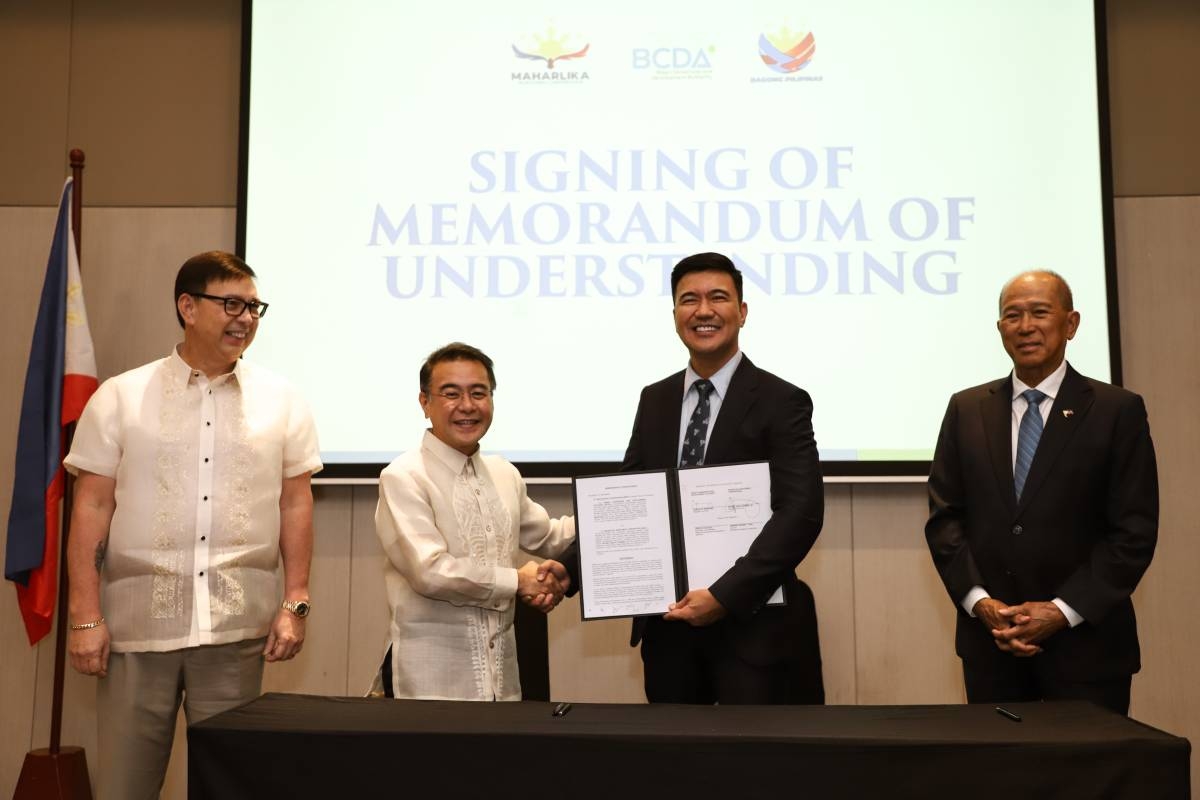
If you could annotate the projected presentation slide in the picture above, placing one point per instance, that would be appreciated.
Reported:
(523, 176)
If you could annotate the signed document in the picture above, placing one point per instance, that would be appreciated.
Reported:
(626, 556)
(647, 538)
(722, 509)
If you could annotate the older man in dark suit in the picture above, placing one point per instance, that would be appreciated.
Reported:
(723, 643)
(1043, 501)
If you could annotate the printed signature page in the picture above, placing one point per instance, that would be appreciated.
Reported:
(723, 508)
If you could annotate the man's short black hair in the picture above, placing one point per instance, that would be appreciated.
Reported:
(455, 351)
(199, 271)
(706, 262)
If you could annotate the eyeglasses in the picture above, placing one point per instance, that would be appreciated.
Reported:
(452, 394)
(234, 306)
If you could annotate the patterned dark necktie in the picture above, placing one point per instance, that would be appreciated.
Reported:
(697, 427)
(1028, 436)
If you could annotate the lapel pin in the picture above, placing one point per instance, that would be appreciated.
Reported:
(1068, 413)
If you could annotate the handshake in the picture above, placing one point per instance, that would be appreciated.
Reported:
(542, 586)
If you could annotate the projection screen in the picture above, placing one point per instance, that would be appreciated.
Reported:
(522, 177)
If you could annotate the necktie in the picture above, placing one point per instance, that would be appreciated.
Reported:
(1027, 437)
(697, 428)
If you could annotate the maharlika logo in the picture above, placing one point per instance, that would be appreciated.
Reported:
(787, 51)
(549, 49)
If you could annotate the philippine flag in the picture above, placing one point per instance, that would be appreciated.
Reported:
(58, 382)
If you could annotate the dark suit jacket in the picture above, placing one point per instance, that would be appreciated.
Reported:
(1084, 529)
(762, 418)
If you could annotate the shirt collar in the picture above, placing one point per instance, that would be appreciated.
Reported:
(446, 454)
(720, 379)
(184, 373)
(1048, 387)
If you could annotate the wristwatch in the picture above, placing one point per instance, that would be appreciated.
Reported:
(298, 607)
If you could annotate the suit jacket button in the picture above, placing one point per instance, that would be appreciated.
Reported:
(1018, 530)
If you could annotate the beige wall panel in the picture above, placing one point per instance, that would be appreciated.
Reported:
(25, 235)
(1153, 47)
(828, 569)
(904, 621)
(35, 55)
(1157, 243)
(321, 666)
(79, 705)
(556, 498)
(369, 611)
(130, 257)
(592, 662)
(18, 678)
(154, 100)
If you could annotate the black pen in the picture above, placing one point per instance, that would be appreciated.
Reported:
(561, 710)
(1004, 712)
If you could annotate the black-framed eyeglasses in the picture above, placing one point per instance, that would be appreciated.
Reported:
(234, 306)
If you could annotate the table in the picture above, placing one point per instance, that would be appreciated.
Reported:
(297, 746)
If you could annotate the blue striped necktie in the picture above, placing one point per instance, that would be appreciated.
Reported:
(1028, 436)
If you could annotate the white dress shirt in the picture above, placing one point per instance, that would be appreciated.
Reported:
(193, 547)
(451, 526)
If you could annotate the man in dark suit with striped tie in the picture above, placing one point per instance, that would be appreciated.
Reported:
(1043, 499)
(722, 643)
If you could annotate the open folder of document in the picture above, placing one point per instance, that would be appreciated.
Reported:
(647, 538)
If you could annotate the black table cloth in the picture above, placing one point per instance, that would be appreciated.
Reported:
(295, 746)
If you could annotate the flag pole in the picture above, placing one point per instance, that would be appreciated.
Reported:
(60, 637)
(56, 772)
(77, 158)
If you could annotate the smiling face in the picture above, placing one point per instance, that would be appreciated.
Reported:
(1035, 325)
(213, 341)
(708, 318)
(456, 417)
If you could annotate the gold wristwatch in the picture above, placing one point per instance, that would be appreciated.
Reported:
(298, 607)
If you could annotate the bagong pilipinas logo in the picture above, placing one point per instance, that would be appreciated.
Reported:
(787, 51)
(551, 47)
